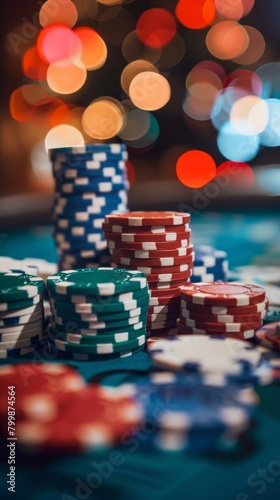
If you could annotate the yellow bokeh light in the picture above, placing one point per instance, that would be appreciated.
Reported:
(149, 91)
(103, 118)
(66, 77)
(63, 136)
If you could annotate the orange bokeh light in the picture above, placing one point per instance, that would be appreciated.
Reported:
(195, 168)
(94, 50)
(195, 14)
(33, 67)
(156, 27)
(54, 11)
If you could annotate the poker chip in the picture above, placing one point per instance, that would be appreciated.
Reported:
(269, 336)
(228, 294)
(224, 310)
(75, 327)
(168, 277)
(55, 353)
(16, 353)
(165, 300)
(160, 334)
(149, 219)
(169, 262)
(159, 270)
(157, 325)
(101, 308)
(99, 349)
(106, 306)
(22, 313)
(194, 412)
(152, 254)
(253, 318)
(147, 237)
(102, 281)
(161, 230)
(220, 327)
(149, 245)
(183, 329)
(34, 267)
(208, 355)
(21, 320)
(117, 300)
(15, 286)
(90, 182)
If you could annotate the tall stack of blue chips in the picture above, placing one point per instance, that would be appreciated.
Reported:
(90, 182)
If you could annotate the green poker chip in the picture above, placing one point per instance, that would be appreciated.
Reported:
(101, 325)
(125, 309)
(113, 338)
(104, 281)
(115, 318)
(16, 286)
(74, 327)
(100, 349)
(54, 353)
(20, 304)
(116, 302)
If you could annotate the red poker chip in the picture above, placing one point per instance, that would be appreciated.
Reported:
(37, 382)
(162, 334)
(165, 300)
(148, 219)
(239, 310)
(165, 292)
(149, 246)
(154, 317)
(169, 262)
(93, 417)
(183, 329)
(168, 277)
(159, 270)
(114, 228)
(223, 293)
(246, 318)
(269, 336)
(165, 309)
(221, 327)
(152, 254)
(147, 237)
(156, 325)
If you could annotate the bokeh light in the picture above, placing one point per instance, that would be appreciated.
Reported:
(134, 68)
(137, 125)
(148, 140)
(234, 9)
(94, 51)
(227, 39)
(235, 146)
(240, 174)
(23, 99)
(32, 66)
(54, 11)
(149, 91)
(255, 49)
(249, 115)
(271, 135)
(195, 168)
(63, 136)
(133, 48)
(57, 42)
(103, 119)
(196, 14)
(66, 77)
(156, 27)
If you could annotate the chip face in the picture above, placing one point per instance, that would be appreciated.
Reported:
(18, 285)
(223, 293)
(149, 219)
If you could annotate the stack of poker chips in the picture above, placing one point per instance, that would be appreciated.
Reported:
(209, 264)
(157, 244)
(98, 313)
(227, 309)
(193, 410)
(21, 313)
(33, 266)
(90, 182)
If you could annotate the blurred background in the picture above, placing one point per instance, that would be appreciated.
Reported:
(202, 130)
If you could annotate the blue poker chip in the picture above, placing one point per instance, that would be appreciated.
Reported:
(77, 231)
(208, 256)
(67, 173)
(197, 408)
(88, 213)
(113, 148)
(90, 187)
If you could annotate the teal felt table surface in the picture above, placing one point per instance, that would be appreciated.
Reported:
(132, 471)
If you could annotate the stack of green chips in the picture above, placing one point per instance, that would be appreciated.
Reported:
(98, 313)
